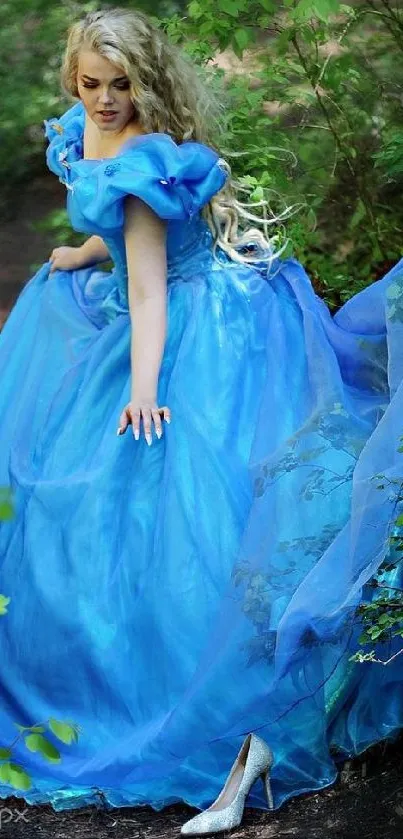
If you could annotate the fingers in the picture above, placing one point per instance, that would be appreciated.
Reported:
(157, 422)
(147, 425)
(149, 416)
(58, 259)
(123, 422)
(54, 262)
(166, 413)
(136, 423)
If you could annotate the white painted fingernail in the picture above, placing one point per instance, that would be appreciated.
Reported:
(148, 438)
(158, 433)
(136, 434)
(167, 419)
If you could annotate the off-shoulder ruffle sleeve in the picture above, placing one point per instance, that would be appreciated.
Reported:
(176, 181)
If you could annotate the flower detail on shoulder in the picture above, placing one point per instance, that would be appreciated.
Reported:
(57, 127)
(111, 169)
(62, 158)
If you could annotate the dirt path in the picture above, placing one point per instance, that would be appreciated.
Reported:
(366, 803)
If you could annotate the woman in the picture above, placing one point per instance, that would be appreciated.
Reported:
(191, 441)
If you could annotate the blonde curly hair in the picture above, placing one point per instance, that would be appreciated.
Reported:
(171, 96)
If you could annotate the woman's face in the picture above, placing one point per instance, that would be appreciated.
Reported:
(104, 89)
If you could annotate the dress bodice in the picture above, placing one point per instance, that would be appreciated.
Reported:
(176, 181)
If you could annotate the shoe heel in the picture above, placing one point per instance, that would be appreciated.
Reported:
(267, 789)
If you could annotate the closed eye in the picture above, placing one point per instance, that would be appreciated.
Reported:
(121, 86)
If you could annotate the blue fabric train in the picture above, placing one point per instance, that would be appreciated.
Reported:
(171, 599)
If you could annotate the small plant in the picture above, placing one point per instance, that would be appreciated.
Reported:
(13, 773)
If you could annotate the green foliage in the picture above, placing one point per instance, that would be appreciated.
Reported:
(315, 119)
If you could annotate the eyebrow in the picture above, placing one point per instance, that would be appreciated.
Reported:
(117, 79)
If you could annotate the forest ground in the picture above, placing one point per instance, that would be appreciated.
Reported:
(365, 803)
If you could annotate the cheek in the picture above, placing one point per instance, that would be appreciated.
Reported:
(87, 96)
(128, 107)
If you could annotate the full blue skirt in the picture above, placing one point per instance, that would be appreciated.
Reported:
(170, 599)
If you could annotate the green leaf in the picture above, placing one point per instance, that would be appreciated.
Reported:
(4, 601)
(359, 214)
(321, 9)
(19, 779)
(399, 520)
(6, 504)
(11, 773)
(242, 38)
(194, 10)
(282, 42)
(257, 194)
(206, 28)
(383, 620)
(63, 731)
(230, 7)
(5, 773)
(6, 511)
(38, 743)
(4, 753)
(305, 9)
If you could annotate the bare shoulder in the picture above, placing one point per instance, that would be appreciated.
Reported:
(140, 217)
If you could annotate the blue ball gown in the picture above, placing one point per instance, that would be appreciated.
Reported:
(170, 599)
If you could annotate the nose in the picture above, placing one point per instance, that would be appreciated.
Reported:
(105, 96)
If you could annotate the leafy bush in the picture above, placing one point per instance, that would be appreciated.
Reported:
(321, 81)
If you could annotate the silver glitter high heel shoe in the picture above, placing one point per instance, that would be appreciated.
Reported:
(254, 760)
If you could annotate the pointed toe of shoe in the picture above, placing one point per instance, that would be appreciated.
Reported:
(191, 827)
(211, 822)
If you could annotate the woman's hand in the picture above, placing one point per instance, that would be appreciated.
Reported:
(148, 410)
(65, 259)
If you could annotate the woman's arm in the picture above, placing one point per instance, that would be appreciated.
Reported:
(94, 250)
(145, 240)
(67, 258)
